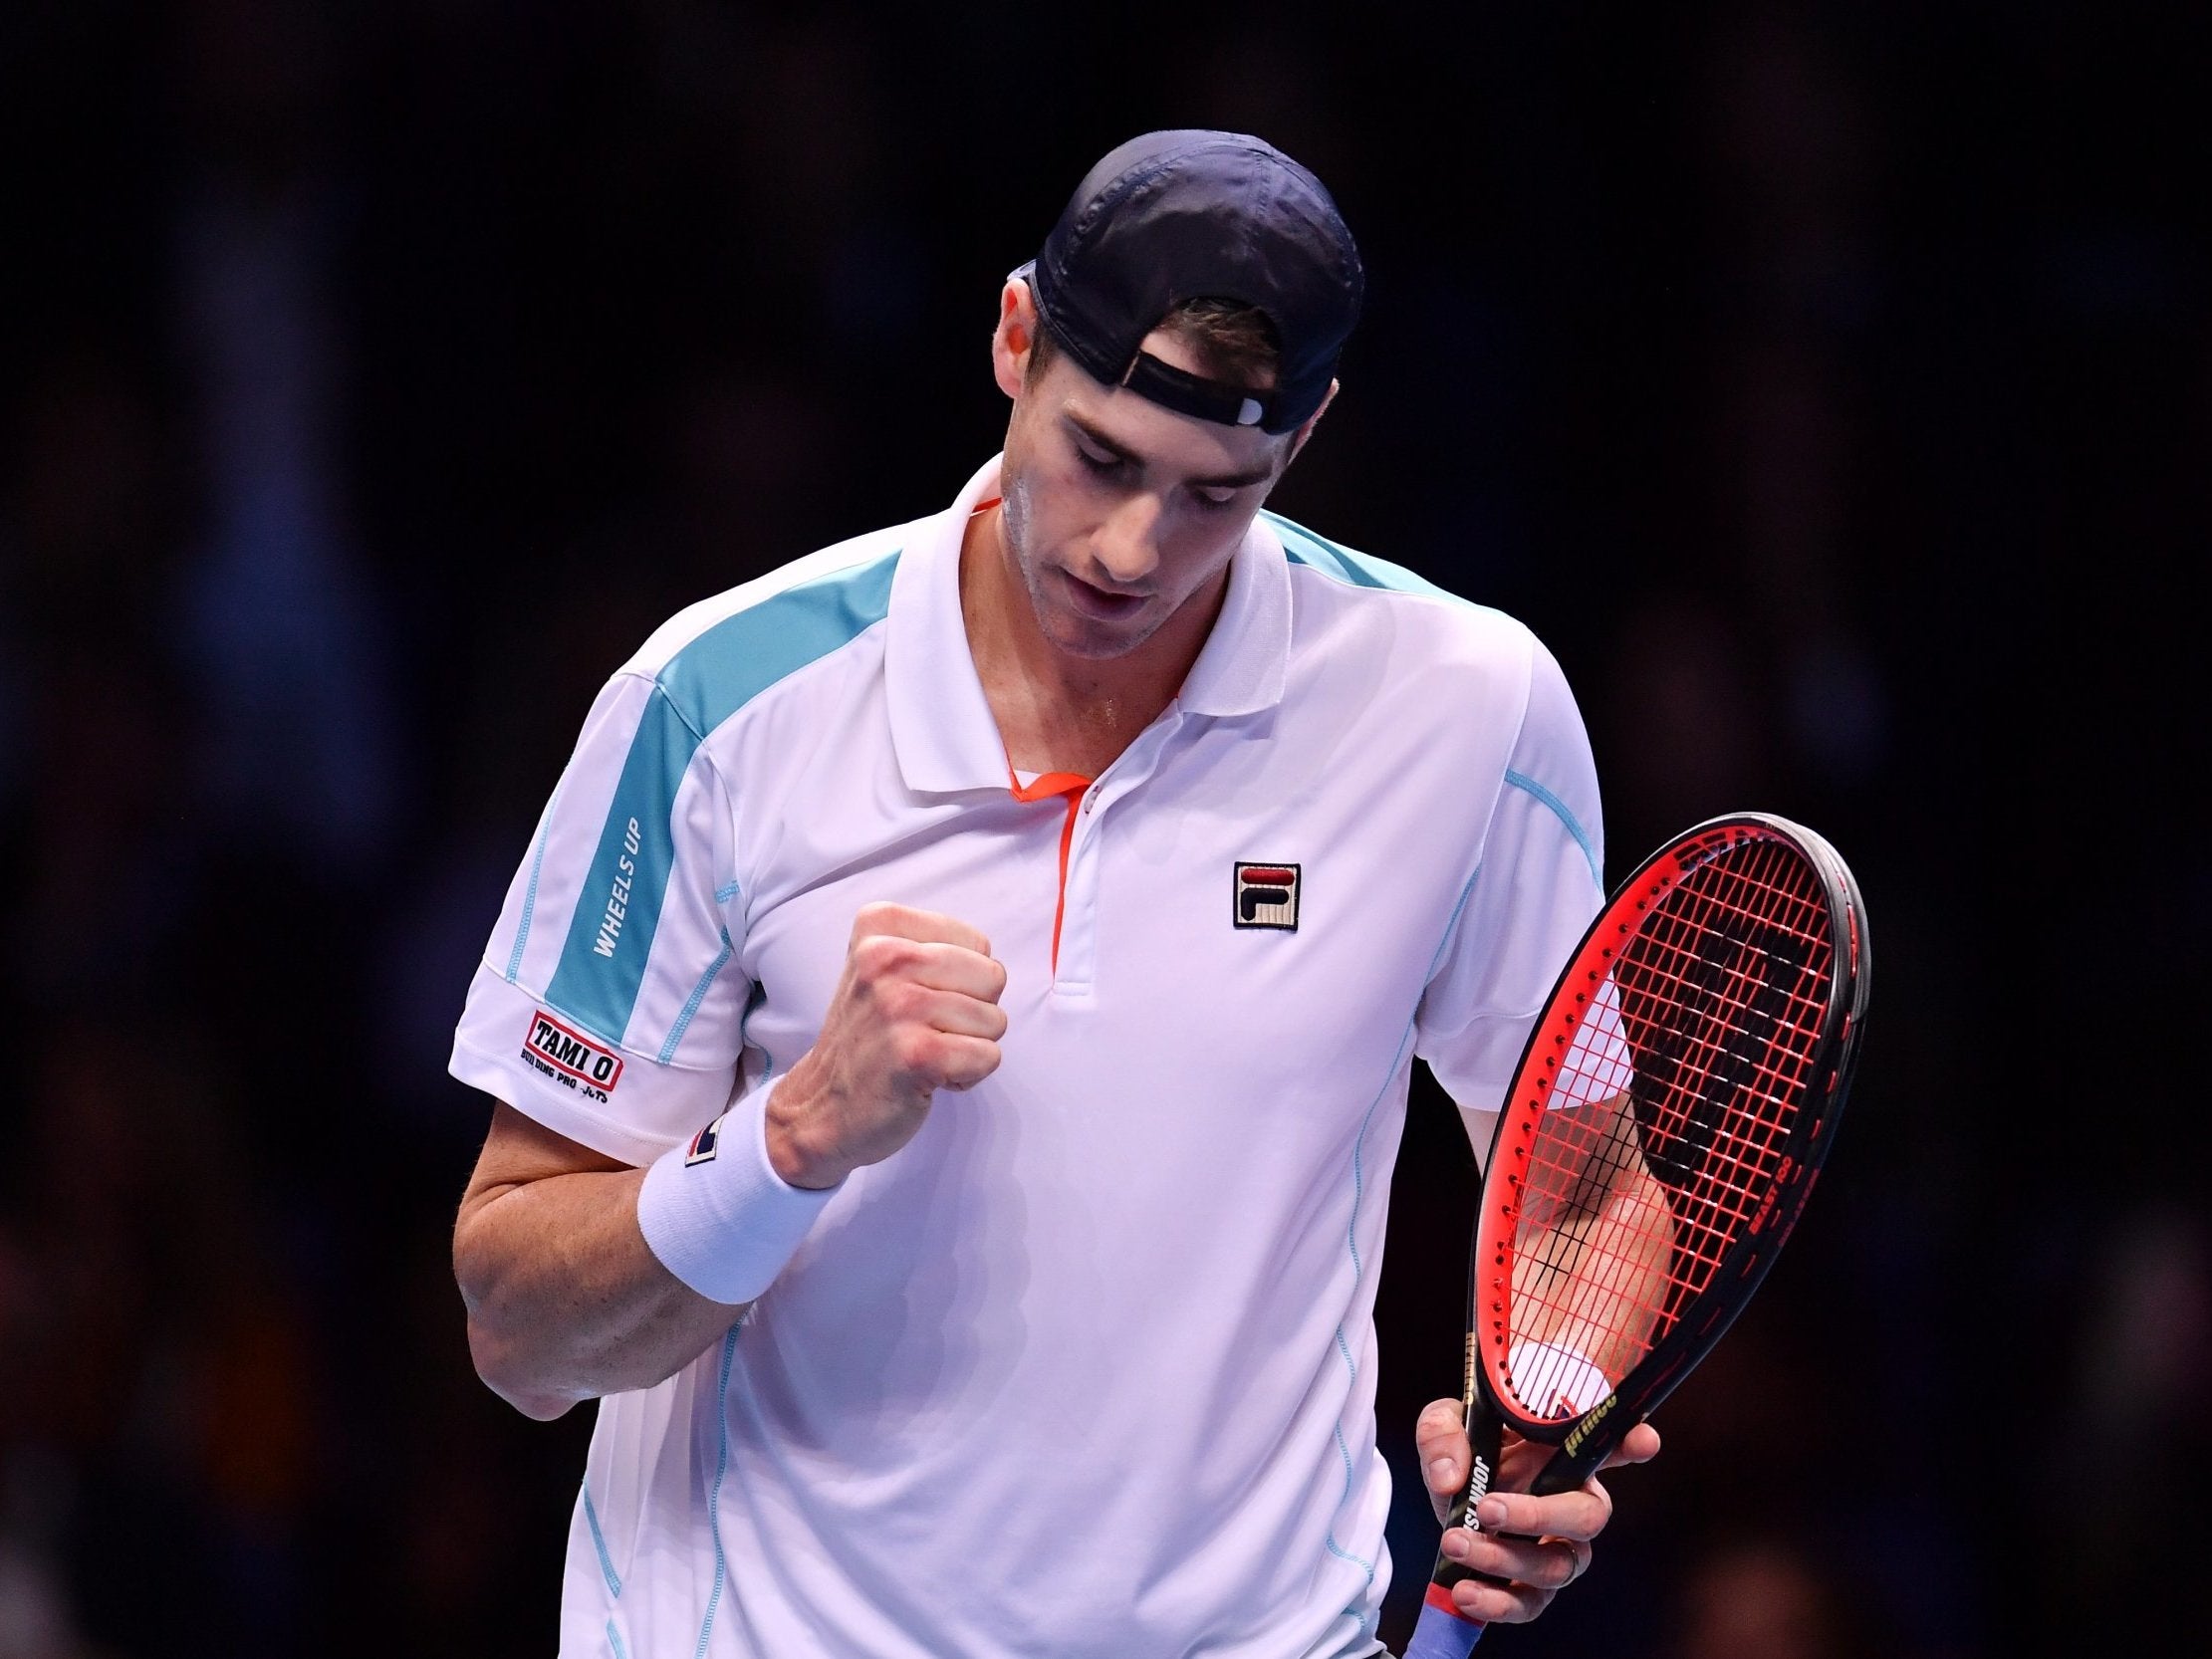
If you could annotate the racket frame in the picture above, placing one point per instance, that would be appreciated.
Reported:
(1586, 1439)
(1583, 1442)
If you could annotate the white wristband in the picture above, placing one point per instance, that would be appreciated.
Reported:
(1553, 1382)
(716, 1212)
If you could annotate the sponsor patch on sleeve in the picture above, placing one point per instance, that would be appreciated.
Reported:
(558, 1050)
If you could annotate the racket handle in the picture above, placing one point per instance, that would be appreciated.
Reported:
(1440, 1633)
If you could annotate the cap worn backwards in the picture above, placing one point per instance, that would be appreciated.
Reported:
(1193, 214)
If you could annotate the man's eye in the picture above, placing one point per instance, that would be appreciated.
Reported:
(1215, 500)
(1097, 463)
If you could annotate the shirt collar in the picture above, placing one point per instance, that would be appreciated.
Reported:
(1242, 668)
(941, 725)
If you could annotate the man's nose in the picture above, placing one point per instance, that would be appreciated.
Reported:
(1127, 543)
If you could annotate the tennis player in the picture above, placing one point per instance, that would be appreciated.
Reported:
(951, 1031)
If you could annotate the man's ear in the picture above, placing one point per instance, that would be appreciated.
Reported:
(1312, 420)
(1015, 337)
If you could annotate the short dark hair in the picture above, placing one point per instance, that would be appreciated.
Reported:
(1233, 341)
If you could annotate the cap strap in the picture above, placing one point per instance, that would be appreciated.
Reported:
(1193, 394)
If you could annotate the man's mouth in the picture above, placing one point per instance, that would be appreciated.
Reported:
(1097, 602)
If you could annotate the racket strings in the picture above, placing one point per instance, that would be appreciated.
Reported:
(1670, 1106)
(1591, 1280)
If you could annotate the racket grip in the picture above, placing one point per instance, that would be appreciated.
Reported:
(1440, 1633)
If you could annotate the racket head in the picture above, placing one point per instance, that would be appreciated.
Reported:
(1704, 1031)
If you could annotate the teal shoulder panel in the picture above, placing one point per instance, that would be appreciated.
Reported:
(1358, 569)
(603, 961)
(741, 656)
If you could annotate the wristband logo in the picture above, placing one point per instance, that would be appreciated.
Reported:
(570, 1058)
(704, 1144)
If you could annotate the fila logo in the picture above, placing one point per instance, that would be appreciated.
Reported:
(1266, 896)
(704, 1144)
(571, 1058)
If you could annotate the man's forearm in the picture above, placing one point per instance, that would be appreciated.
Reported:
(1610, 1205)
(565, 1300)
(1613, 1303)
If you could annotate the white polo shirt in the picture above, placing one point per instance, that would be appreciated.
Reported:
(1088, 1368)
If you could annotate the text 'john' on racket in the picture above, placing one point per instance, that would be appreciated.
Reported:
(1677, 1095)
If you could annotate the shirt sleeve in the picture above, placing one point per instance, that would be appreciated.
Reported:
(1538, 884)
(606, 1006)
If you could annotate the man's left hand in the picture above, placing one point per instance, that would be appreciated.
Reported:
(1541, 1545)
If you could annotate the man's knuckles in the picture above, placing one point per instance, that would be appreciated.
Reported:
(1440, 1430)
(900, 1000)
(918, 1050)
(969, 1060)
(882, 958)
(1563, 1514)
(1546, 1567)
(1557, 1570)
(880, 921)
(884, 920)
(1440, 1417)
(913, 1003)
(942, 1058)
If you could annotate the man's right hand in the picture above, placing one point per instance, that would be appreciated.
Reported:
(915, 1010)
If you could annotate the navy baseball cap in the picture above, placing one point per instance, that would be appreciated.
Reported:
(1194, 214)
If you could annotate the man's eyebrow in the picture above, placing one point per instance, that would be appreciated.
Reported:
(1224, 481)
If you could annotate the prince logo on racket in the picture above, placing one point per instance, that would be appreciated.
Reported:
(1040, 1201)
(1738, 990)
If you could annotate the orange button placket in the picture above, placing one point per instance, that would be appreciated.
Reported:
(1073, 785)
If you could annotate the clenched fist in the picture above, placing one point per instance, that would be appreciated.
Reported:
(915, 1010)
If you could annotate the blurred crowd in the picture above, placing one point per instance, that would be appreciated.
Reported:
(1829, 385)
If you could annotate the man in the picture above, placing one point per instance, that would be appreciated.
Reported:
(952, 1028)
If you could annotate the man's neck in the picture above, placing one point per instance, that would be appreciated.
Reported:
(1056, 712)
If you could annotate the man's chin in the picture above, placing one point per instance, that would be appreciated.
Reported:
(1097, 642)
(1097, 638)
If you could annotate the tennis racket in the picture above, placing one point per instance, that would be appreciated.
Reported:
(1664, 1126)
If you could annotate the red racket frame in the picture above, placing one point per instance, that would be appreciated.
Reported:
(1800, 1152)
(1702, 1317)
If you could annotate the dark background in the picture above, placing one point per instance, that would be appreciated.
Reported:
(1828, 385)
